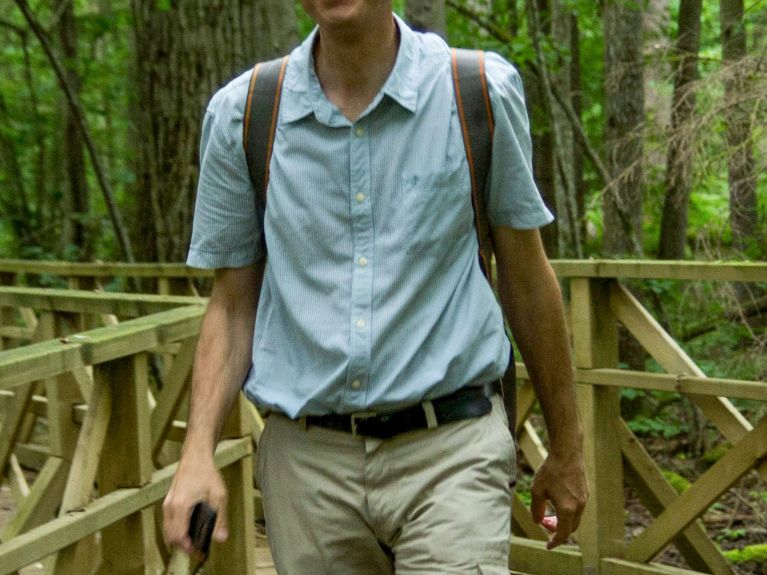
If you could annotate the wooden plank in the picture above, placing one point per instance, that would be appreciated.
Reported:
(707, 489)
(90, 443)
(96, 270)
(530, 556)
(17, 332)
(63, 395)
(682, 270)
(531, 446)
(128, 546)
(46, 359)
(13, 418)
(31, 455)
(677, 270)
(656, 493)
(63, 531)
(237, 553)
(83, 447)
(525, 401)
(595, 339)
(719, 410)
(174, 387)
(255, 421)
(611, 566)
(674, 359)
(37, 361)
(119, 304)
(43, 499)
(687, 384)
(84, 381)
(17, 481)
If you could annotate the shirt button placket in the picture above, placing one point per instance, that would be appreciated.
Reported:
(362, 288)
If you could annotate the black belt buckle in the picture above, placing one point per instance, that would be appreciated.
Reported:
(361, 417)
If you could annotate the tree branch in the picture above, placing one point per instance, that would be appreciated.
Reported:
(79, 116)
(13, 27)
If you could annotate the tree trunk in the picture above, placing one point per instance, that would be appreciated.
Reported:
(184, 53)
(673, 229)
(569, 238)
(576, 99)
(77, 208)
(742, 180)
(427, 16)
(624, 111)
(544, 156)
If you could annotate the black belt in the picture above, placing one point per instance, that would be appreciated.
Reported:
(467, 402)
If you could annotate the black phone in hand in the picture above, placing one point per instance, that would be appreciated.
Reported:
(201, 526)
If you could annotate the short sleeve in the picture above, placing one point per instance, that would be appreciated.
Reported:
(513, 199)
(225, 232)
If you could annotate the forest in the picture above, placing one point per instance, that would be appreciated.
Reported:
(648, 125)
(647, 116)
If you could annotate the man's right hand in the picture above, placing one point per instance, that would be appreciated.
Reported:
(196, 479)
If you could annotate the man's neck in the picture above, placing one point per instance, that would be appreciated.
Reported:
(353, 65)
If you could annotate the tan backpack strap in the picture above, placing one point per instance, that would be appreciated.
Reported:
(477, 126)
(260, 125)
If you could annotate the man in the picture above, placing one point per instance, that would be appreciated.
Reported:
(373, 301)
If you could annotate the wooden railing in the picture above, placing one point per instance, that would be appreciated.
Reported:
(83, 407)
(598, 303)
(176, 279)
(74, 371)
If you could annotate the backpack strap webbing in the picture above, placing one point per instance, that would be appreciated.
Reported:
(260, 124)
(477, 126)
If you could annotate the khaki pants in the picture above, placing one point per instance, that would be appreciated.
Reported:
(424, 502)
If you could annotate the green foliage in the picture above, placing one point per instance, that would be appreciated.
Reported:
(657, 427)
(679, 483)
(714, 454)
(757, 553)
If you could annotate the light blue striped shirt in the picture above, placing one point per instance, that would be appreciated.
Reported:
(373, 296)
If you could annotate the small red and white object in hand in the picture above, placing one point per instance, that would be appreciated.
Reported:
(550, 523)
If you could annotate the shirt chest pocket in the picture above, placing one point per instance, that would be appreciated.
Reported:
(436, 210)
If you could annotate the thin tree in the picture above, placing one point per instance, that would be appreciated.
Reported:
(77, 112)
(741, 176)
(75, 228)
(624, 120)
(673, 229)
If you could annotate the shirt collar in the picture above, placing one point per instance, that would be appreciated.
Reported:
(304, 93)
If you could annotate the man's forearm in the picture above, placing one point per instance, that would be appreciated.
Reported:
(536, 317)
(222, 360)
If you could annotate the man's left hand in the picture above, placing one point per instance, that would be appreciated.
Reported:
(561, 480)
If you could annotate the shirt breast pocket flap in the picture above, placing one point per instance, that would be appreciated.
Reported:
(434, 205)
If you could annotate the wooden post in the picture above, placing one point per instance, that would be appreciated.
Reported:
(237, 554)
(6, 313)
(595, 339)
(128, 546)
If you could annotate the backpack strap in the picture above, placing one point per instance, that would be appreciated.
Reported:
(260, 124)
(477, 125)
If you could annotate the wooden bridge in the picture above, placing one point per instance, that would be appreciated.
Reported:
(93, 391)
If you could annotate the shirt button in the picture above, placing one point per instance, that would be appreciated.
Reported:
(360, 131)
(360, 323)
(360, 198)
(356, 384)
(363, 261)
